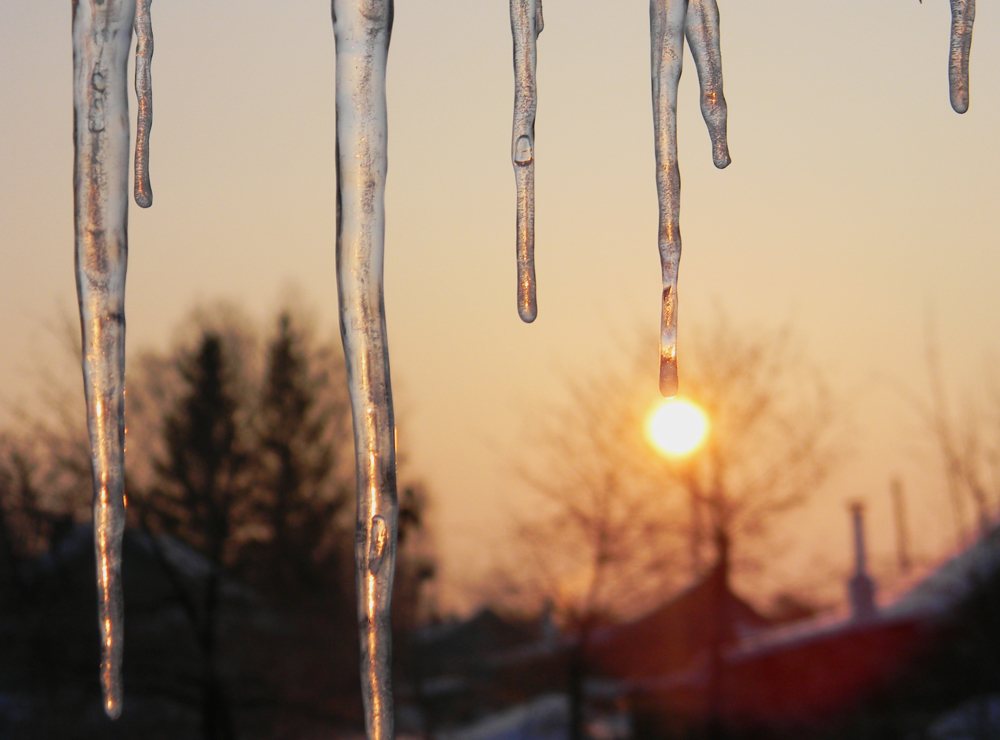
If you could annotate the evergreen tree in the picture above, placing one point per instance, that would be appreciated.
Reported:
(204, 478)
(202, 498)
(302, 427)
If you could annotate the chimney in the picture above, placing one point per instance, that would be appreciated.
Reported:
(860, 588)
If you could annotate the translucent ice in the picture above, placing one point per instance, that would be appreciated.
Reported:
(144, 96)
(362, 29)
(963, 14)
(525, 25)
(702, 30)
(670, 21)
(102, 34)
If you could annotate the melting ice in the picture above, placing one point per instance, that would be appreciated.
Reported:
(101, 39)
(525, 25)
(144, 96)
(963, 14)
(670, 22)
(102, 34)
(362, 29)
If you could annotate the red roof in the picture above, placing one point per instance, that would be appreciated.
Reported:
(671, 637)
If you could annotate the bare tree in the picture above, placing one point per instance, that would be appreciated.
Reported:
(601, 541)
(772, 438)
(968, 443)
(25, 525)
(615, 518)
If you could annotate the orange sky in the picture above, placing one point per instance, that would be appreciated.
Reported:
(857, 204)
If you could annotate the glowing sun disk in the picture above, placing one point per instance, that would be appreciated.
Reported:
(678, 427)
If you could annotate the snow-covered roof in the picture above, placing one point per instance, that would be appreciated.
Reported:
(951, 580)
(545, 718)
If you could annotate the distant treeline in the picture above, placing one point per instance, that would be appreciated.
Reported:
(240, 450)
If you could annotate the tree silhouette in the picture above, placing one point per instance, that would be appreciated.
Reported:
(302, 428)
(967, 442)
(202, 495)
(240, 450)
(613, 518)
(203, 485)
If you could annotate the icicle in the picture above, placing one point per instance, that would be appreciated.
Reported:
(667, 25)
(670, 20)
(702, 30)
(102, 34)
(525, 25)
(362, 29)
(144, 95)
(963, 14)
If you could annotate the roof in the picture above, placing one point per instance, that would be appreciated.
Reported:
(453, 646)
(671, 636)
(545, 718)
(825, 666)
(953, 579)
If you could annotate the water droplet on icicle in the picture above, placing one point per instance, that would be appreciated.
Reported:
(963, 14)
(361, 29)
(525, 24)
(144, 96)
(101, 41)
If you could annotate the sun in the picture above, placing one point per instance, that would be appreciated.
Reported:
(678, 427)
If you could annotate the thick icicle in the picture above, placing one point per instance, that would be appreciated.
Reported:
(963, 14)
(670, 21)
(525, 25)
(667, 27)
(102, 34)
(144, 96)
(362, 29)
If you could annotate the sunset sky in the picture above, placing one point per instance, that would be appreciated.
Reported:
(857, 208)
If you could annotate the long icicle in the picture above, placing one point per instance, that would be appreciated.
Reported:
(102, 34)
(963, 15)
(525, 25)
(144, 97)
(667, 43)
(362, 29)
(670, 22)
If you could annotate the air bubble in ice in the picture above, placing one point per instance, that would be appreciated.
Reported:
(522, 150)
(376, 549)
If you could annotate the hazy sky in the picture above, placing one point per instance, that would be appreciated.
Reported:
(857, 204)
